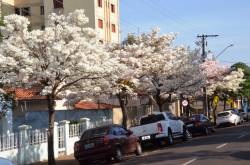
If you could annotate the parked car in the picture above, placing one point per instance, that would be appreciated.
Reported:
(228, 117)
(106, 142)
(160, 127)
(4, 161)
(244, 115)
(199, 124)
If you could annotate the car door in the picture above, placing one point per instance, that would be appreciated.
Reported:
(205, 122)
(128, 141)
(172, 122)
(116, 136)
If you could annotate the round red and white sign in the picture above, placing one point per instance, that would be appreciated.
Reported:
(184, 103)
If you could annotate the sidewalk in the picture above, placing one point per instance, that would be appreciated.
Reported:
(63, 160)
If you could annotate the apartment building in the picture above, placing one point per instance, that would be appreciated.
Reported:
(103, 14)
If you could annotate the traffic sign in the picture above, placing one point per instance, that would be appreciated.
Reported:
(184, 103)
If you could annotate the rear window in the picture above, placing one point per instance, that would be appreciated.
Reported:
(195, 118)
(97, 132)
(151, 119)
(223, 114)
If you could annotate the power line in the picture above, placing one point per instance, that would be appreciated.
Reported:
(178, 18)
(163, 13)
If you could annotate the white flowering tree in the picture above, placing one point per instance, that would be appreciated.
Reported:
(64, 58)
(158, 67)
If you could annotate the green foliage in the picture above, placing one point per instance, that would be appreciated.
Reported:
(6, 101)
(130, 40)
(245, 91)
(74, 122)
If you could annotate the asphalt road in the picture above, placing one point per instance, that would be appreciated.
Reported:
(227, 146)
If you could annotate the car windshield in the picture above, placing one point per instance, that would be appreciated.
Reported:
(195, 118)
(151, 119)
(223, 114)
(97, 132)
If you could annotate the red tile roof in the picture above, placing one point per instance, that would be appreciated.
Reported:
(87, 105)
(26, 94)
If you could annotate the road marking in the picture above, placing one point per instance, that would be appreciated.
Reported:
(190, 161)
(241, 136)
(220, 146)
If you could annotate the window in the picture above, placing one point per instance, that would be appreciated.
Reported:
(42, 27)
(118, 131)
(17, 11)
(222, 114)
(25, 11)
(100, 23)
(171, 116)
(96, 132)
(58, 4)
(152, 119)
(99, 3)
(113, 28)
(101, 41)
(112, 8)
(42, 10)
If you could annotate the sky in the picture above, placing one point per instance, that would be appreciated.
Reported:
(230, 19)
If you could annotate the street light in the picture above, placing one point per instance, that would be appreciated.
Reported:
(224, 50)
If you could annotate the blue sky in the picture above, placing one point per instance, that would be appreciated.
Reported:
(228, 18)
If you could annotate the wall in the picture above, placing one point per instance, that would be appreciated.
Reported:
(36, 19)
(70, 6)
(31, 145)
(93, 12)
(7, 7)
(117, 116)
(39, 119)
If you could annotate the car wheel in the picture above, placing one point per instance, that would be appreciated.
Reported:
(138, 150)
(212, 129)
(118, 154)
(184, 134)
(206, 131)
(170, 138)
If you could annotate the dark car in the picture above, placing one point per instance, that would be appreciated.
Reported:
(106, 142)
(199, 124)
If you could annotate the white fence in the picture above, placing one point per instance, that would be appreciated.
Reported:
(28, 146)
(9, 142)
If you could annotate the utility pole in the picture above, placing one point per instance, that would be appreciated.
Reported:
(204, 56)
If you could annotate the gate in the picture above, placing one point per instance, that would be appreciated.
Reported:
(61, 140)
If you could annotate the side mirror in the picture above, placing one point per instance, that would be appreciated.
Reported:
(129, 132)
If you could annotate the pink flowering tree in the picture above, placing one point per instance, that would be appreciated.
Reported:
(220, 79)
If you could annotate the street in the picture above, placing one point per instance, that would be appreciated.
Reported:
(230, 145)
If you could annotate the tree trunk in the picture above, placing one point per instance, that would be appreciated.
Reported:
(214, 114)
(182, 108)
(209, 107)
(205, 104)
(225, 103)
(158, 99)
(124, 110)
(51, 158)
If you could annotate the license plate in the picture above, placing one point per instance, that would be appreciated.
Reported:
(190, 125)
(89, 146)
(145, 137)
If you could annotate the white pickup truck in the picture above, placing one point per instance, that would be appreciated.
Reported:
(160, 127)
